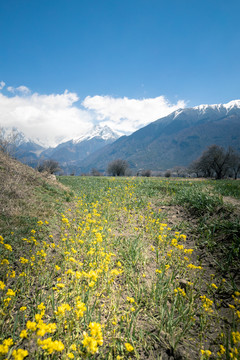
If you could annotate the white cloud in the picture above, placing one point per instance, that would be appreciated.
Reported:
(20, 89)
(127, 115)
(49, 118)
(23, 89)
(2, 84)
(11, 89)
(55, 118)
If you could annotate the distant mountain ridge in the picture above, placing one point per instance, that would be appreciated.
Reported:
(71, 152)
(174, 140)
(67, 153)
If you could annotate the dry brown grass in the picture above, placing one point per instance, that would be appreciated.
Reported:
(25, 194)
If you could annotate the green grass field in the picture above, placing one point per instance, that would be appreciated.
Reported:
(123, 268)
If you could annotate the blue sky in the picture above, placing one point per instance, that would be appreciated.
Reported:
(179, 51)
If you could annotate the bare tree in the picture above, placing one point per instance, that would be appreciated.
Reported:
(235, 163)
(196, 168)
(180, 171)
(117, 167)
(50, 166)
(214, 161)
(8, 141)
(95, 172)
(146, 173)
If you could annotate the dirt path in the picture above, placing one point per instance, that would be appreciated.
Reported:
(234, 202)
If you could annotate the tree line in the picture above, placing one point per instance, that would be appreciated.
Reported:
(215, 162)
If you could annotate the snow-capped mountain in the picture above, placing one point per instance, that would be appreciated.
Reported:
(98, 132)
(19, 145)
(67, 153)
(11, 134)
(73, 151)
(176, 139)
(234, 104)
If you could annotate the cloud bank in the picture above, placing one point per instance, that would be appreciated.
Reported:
(58, 117)
(128, 115)
(48, 118)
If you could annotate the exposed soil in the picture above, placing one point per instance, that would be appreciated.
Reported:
(234, 202)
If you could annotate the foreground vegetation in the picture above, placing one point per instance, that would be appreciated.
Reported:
(141, 268)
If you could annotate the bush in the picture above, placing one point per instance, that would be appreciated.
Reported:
(117, 167)
(50, 166)
(168, 174)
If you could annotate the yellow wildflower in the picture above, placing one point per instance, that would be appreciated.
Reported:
(129, 347)
(31, 325)
(23, 260)
(8, 247)
(10, 292)
(130, 299)
(60, 285)
(80, 309)
(96, 332)
(41, 307)
(206, 352)
(5, 262)
(19, 354)
(4, 347)
(23, 334)
(50, 346)
(2, 285)
(90, 344)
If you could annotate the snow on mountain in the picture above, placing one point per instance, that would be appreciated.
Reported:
(16, 136)
(99, 132)
(12, 134)
(228, 106)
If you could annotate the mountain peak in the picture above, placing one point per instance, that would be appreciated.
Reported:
(228, 106)
(100, 132)
(233, 103)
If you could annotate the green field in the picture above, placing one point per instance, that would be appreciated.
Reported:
(123, 268)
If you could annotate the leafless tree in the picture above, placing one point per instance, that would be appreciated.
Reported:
(235, 163)
(8, 141)
(146, 173)
(95, 172)
(215, 161)
(180, 171)
(50, 166)
(117, 167)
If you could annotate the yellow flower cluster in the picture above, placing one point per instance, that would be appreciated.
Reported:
(4, 347)
(19, 354)
(50, 346)
(207, 304)
(92, 342)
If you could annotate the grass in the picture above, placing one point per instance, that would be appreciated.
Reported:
(228, 188)
(101, 275)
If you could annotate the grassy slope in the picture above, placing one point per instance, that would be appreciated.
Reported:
(26, 196)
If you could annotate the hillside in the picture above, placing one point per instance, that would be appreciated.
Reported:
(26, 196)
(176, 139)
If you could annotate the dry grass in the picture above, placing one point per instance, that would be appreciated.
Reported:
(26, 195)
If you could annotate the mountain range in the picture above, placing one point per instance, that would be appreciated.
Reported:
(174, 140)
